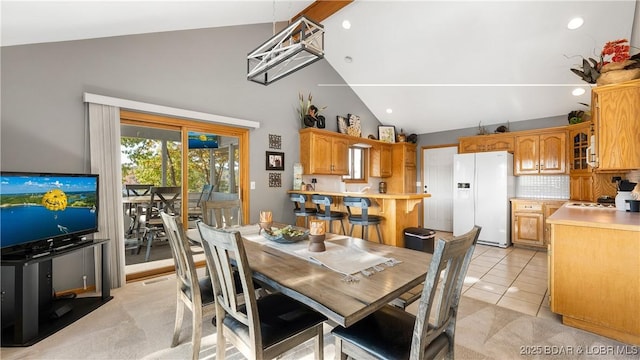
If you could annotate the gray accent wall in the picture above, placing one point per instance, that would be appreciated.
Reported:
(43, 124)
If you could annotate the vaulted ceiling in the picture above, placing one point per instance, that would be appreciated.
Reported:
(438, 65)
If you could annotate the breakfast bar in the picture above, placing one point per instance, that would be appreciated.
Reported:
(400, 211)
(594, 270)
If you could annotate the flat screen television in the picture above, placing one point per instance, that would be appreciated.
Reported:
(42, 211)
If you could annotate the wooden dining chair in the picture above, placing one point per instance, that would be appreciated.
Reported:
(195, 212)
(261, 328)
(392, 333)
(222, 213)
(162, 199)
(194, 293)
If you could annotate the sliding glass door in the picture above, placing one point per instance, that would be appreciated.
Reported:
(197, 156)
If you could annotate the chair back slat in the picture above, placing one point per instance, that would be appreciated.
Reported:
(222, 213)
(299, 201)
(222, 249)
(183, 259)
(166, 199)
(442, 289)
(205, 194)
(137, 189)
(323, 200)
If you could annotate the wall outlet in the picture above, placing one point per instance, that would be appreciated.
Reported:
(252, 185)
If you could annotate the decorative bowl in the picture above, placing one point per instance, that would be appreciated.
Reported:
(286, 235)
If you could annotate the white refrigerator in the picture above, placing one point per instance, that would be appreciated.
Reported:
(483, 183)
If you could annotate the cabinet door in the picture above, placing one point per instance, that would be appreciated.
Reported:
(339, 157)
(528, 228)
(471, 145)
(618, 126)
(578, 143)
(506, 143)
(380, 160)
(410, 155)
(552, 153)
(526, 155)
(581, 187)
(410, 174)
(321, 158)
(549, 209)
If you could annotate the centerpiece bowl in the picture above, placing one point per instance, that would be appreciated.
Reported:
(286, 235)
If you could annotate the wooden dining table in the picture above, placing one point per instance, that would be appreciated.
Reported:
(325, 290)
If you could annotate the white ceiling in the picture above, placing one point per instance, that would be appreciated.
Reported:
(440, 65)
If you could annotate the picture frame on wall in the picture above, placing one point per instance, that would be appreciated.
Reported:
(387, 133)
(274, 161)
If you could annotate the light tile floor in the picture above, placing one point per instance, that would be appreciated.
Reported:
(513, 278)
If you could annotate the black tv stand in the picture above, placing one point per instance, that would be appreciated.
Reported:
(37, 315)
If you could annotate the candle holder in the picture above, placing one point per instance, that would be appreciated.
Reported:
(266, 220)
(316, 243)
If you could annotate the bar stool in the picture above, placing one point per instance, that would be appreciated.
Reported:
(326, 213)
(300, 209)
(363, 219)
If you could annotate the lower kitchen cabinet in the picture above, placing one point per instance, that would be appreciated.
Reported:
(528, 221)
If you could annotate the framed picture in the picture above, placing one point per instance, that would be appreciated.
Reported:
(274, 161)
(387, 133)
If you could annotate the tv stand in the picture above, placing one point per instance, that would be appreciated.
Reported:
(37, 314)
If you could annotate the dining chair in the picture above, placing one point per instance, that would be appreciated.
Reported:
(222, 213)
(392, 333)
(195, 212)
(300, 208)
(261, 328)
(363, 219)
(326, 213)
(194, 293)
(132, 211)
(163, 198)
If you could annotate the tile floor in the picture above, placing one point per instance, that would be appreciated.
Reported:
(513, 278)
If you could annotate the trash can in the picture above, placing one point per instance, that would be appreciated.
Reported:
(420, 239)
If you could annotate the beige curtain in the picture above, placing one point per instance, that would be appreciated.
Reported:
(104, 135)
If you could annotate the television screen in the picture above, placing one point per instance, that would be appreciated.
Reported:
(38, 209)
(202, 141)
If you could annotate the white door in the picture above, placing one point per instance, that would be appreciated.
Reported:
(437, 165)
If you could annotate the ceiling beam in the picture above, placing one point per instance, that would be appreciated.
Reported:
(322, 9)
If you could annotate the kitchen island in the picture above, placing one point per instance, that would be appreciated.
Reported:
(594, 270)
(400, 211)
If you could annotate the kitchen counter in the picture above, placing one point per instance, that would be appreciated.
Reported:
(597, 218)
(400, 211)
(594, 270)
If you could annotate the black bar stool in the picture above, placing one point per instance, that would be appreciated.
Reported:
(300, 209)
(326, 213)
(363, 219)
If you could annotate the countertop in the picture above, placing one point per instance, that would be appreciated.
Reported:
(597, 218)
(537, 199)
(372, 195)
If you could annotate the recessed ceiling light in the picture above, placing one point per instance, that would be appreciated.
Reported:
(575, 23)
(389, 111)
(577, 91)
(346, 24)
(348, 59)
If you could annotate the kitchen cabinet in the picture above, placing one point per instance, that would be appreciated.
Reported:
(380, 160)
(403, 167)
(581, 187)
(616, 118)
(483, 143)
(578, 144)
(323, 152)
(528, 221)
(542, 154)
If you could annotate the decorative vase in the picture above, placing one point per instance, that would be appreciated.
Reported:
(316, 243)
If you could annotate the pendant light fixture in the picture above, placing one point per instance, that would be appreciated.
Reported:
(298, 45)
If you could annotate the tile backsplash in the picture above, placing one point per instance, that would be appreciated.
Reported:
(543, 187)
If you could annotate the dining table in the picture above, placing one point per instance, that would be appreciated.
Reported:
(330, 282)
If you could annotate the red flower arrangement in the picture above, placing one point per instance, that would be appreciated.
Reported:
(613, 57)
(615, 51)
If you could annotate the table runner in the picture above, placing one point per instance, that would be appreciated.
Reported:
(345, 260)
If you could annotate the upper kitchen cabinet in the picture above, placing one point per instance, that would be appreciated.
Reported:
(481, 143)
(616, 118)
(380, 160)
(403, 168)
(540, 154)
(579, 142)
(323, 152)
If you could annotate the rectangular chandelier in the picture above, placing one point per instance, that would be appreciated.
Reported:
(298, 45)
